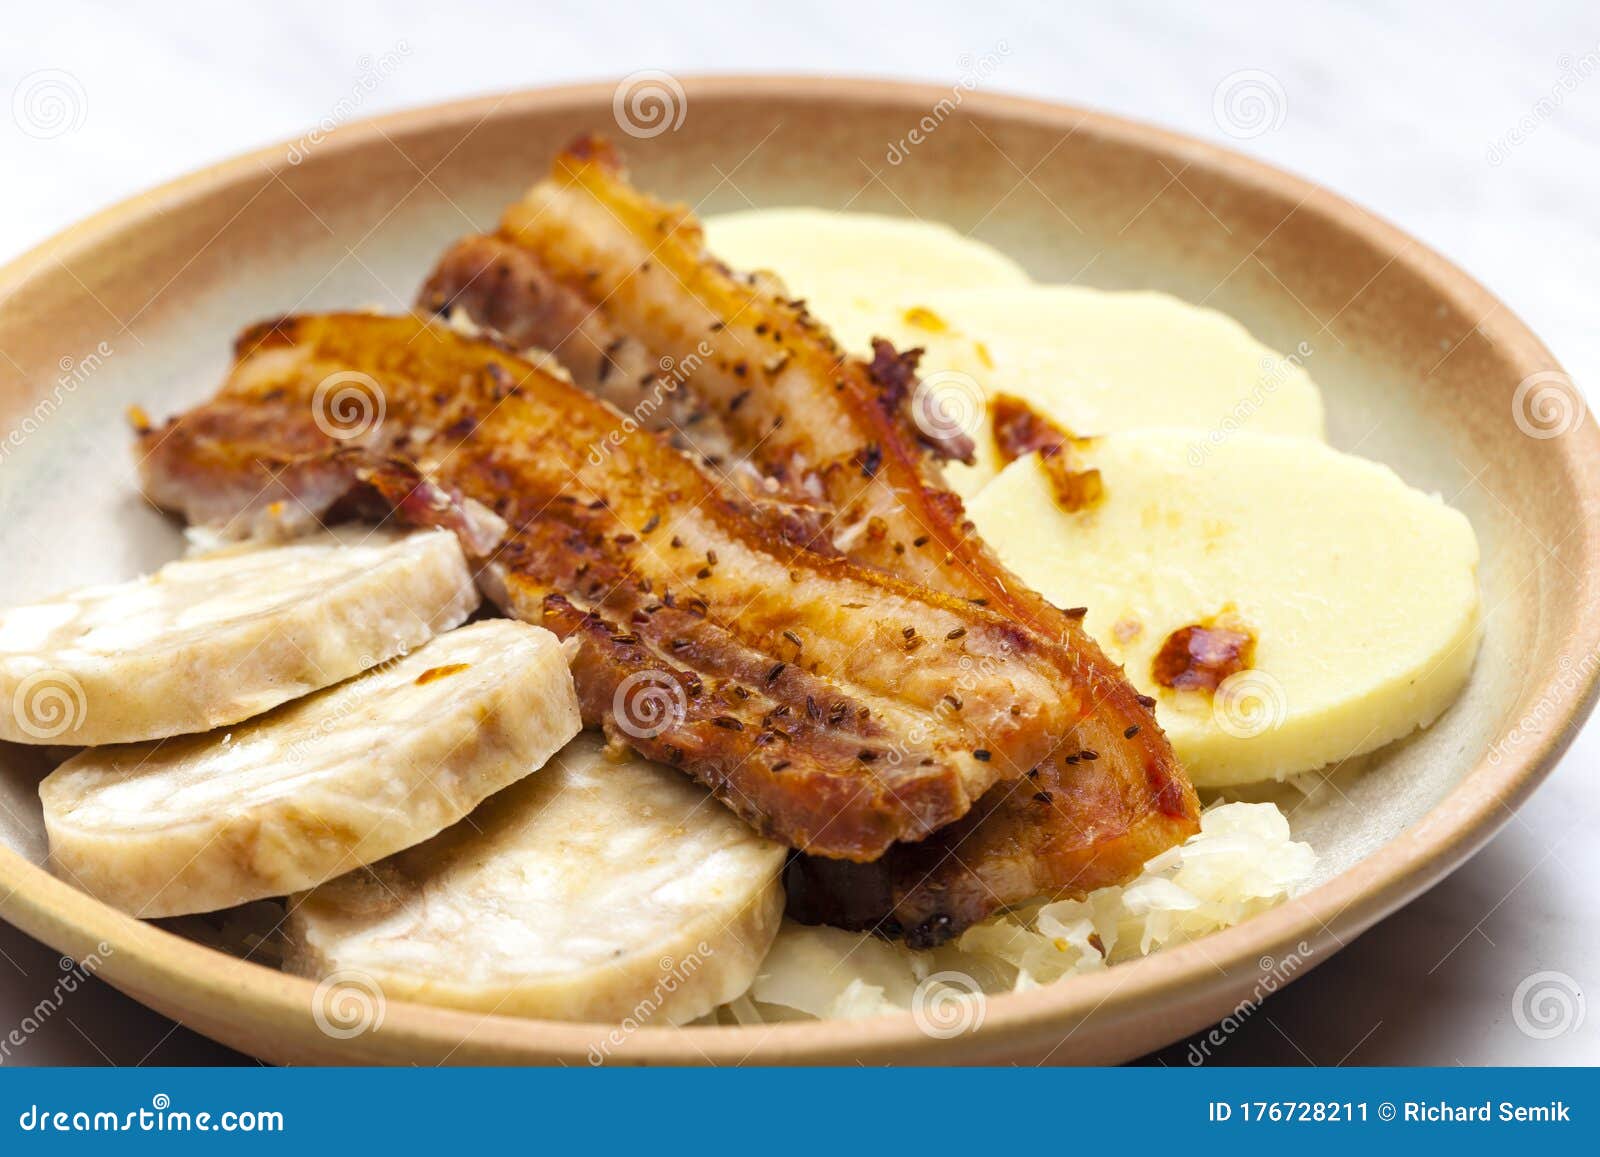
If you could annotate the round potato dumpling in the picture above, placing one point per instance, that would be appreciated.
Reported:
(1288, 606)
(1096, 362)
(844, 264)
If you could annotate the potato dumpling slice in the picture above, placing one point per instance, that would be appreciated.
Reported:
(594, 891)
(844, 264)
(317, 787)
(218, 637)
(1334, 607)
(1095, 362)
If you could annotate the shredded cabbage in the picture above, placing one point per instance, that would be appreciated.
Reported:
(1242, 862)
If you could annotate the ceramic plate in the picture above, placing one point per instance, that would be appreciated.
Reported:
(1422, 370)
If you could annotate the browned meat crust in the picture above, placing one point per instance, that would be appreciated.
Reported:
(501, 287)
(807, 691)
(1066, 829)
(856, 438)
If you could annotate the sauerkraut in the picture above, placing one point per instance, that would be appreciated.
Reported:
(1242, 862)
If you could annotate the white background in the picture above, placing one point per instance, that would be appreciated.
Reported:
(1409, 110)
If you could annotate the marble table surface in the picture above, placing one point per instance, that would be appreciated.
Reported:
(1472, 126)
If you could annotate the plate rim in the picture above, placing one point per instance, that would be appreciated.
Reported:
(162, 968)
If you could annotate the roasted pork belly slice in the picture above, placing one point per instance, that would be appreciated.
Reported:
(809, 692)
(863, 441)
(1067, 828)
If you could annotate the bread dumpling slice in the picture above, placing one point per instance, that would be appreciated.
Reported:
(593, 891)
(219, 637)
(317, 787)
